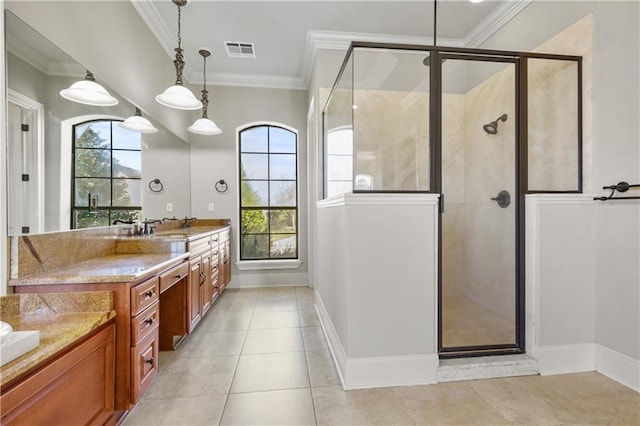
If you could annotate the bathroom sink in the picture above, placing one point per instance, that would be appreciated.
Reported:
(18, 343)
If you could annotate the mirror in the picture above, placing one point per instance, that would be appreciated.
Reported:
(40, 141)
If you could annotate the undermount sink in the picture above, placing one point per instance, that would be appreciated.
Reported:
(18, 343)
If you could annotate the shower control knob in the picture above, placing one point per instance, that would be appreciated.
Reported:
(503, 199)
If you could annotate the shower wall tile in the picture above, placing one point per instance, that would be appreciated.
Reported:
(453, 250)
(553, 111)
(489, 230)
(453, 155)
(391, 138)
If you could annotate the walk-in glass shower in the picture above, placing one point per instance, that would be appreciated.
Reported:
(482, 129)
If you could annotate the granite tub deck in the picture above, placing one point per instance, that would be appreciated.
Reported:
(61, 318)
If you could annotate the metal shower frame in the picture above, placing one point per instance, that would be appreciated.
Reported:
(437, 55)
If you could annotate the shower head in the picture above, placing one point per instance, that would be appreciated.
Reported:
(492, 128)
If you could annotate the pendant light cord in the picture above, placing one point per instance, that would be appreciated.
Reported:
(179, 61)
(205, 98)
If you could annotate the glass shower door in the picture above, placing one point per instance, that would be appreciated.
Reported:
(479, 214)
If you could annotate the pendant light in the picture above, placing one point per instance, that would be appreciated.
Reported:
(178, 96)
(88, 92)
(204, 125)
(138, 123)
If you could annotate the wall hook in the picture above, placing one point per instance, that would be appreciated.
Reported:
(156, 186)
(222, 186)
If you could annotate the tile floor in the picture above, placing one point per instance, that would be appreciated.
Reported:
(259, 357)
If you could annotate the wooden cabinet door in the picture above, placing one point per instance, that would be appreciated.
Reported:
(144, 362)
(227, 262)
(195, 281)
(205, 288)
(74, 389)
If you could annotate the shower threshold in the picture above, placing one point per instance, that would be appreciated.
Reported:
(487, 367)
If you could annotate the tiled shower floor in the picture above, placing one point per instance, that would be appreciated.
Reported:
(259, 357)
(467, 324)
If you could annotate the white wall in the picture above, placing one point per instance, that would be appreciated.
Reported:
(215, 157)
(376, 287)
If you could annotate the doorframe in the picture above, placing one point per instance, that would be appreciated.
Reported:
(36, 163)
(520, 176)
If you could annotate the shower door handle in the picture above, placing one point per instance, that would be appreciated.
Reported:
(503, 199)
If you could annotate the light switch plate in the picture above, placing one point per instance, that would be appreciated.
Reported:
(169, 207)
(211, 207)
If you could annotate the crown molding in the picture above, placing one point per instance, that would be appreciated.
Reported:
(66, 69)
(336, 40)
(494, 21)
(149, 14)
(25, 52)
(253, 80)
(40, 62)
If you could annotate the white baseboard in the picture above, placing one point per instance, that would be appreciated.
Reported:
(616, 366)
(333, 341)
(269, 280)
(376, 372)
(563, 359)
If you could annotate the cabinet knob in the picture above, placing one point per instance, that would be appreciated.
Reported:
(149, 321)
(149, 293)
(149, 361)
(177, 276)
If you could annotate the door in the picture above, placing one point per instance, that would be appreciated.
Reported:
(481, 212)
(25, 180)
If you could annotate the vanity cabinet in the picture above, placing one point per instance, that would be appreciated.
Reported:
(225, 260)
(145, 315)
(210, 272)
(75, 388)
(149, 314)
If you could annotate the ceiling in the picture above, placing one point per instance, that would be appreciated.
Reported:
(286, 34)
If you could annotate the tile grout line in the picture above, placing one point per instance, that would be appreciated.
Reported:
(235, 371)
(306, 363)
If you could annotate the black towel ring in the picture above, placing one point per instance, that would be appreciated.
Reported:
(156, 186)
(222, 186)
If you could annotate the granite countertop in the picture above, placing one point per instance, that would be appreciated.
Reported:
(61, 319)
(128, 267)
(189, 234)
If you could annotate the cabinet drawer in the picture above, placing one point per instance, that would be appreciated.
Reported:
(144, 363)
(198, 246)
(145, 323)
(224, 235)
(144, 295)
(172, 276)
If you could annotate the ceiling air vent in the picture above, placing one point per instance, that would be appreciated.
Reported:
(239, 49)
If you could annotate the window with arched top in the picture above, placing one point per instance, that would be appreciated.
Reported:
(268, 168)
(106, 173)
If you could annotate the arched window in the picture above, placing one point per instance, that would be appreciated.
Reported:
(106, 174)
(268, 167)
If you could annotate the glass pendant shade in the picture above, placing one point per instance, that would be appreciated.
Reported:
(88, 92)
(138, 123)
(179, 97)
(204, 126)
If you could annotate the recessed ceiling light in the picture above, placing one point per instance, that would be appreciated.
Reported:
(475, 1)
